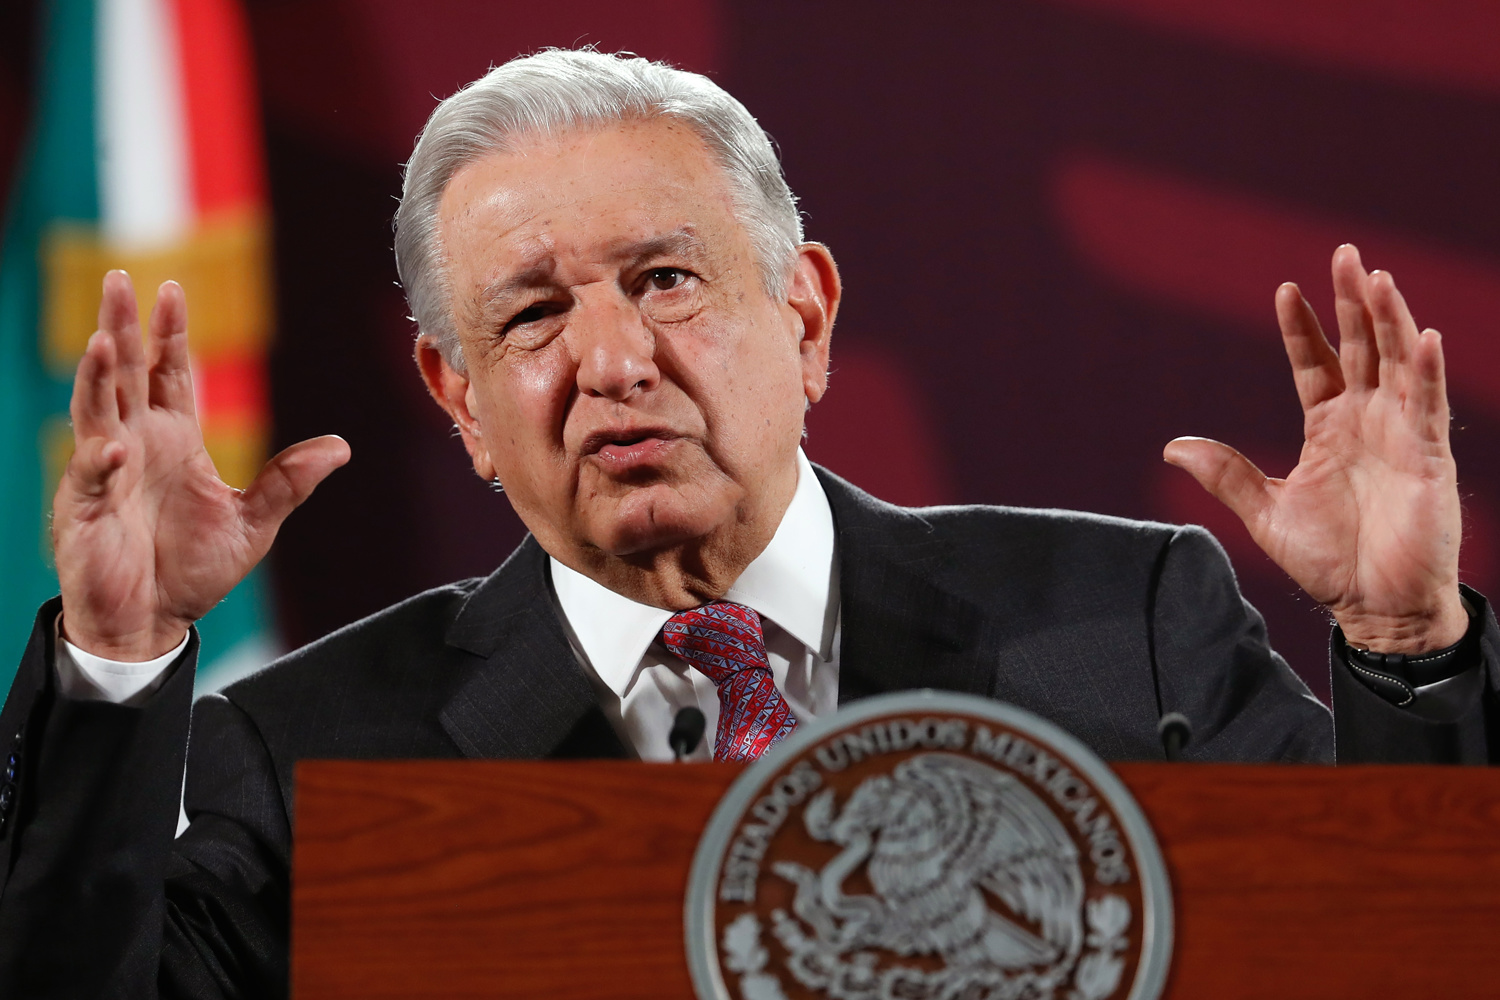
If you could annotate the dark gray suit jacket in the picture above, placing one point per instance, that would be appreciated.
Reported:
(1096, 623)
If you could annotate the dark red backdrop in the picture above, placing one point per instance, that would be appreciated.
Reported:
(1060, 225)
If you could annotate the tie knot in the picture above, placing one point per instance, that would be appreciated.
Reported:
(724, 641)
(720, 638)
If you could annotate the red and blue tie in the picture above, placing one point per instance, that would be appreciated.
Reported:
(724, 641)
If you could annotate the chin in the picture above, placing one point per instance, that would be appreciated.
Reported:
(655, 518)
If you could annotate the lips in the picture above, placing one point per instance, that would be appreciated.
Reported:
(622, 437)
(627, 447)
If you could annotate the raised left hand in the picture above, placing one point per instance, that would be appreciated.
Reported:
(1368, 523)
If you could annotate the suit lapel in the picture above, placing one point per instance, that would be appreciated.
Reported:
(900, 629)
(529, 698)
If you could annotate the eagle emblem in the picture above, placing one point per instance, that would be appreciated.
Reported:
(943, 840)
(968, 854)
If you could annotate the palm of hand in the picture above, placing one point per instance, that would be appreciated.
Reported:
(1354, 522)
(146, 536)
(166, 538)
(1368, 523)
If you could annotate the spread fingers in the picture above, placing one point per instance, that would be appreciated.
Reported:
(287, 480)
(1427, 406)
(98, 451)
(119, 319)
(1358, 354)
(1395, 330)
(95, 406)
(171, 378)
(1315, 364)
(1228, 475)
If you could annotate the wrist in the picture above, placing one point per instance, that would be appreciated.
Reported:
(138, 646)
(1426, 683)
(1408, 635)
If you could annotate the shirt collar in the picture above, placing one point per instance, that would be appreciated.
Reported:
(791, 582)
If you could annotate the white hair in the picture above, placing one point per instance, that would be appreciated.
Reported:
(558, 90)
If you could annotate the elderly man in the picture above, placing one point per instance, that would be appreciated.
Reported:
(619, 313)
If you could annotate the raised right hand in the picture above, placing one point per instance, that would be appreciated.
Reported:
(147, 537)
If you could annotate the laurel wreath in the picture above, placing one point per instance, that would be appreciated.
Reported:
(1096, 977)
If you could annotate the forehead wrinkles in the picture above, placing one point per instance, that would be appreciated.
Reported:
(537, 216)
(573, 191)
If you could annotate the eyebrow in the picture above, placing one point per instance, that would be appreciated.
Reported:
(534, 275)
(539, 273)
(681, 242)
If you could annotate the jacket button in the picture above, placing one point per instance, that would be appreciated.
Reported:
(12, 767)
(7, 796)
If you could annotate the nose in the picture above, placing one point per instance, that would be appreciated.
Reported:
(616, 350)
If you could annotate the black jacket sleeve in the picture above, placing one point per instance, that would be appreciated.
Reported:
(1214, 664)
(228, 878)
(1253, 707)
(99, 900)
(90, 830)
(1371, 729)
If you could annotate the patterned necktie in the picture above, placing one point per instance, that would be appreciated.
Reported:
(724, 641)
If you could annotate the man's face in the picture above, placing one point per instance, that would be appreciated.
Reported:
(629, 381)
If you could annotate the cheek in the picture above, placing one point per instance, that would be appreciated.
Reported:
(767, 366)
(530, 395)
(746, 380)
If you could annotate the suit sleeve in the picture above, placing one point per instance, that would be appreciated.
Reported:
(1373, 730)
(228, 878)
(1214, 664)
(89, 831)
(98, 899)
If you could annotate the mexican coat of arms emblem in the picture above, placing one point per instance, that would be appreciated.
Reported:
(929, 846)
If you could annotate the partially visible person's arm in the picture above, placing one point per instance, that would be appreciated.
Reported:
(1369, 522)
(147, 539)
(89, 831)
(1215, 666)
(98, 899)
(1420, 709)
(146, 536)
(83, 676)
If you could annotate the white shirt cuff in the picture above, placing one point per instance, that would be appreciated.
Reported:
(83, 676)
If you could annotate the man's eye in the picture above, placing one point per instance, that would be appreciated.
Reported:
(530, 315)
(664, 279)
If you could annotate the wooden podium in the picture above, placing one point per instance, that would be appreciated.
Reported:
(566, 880)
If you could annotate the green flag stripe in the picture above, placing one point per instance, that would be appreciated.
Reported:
(57, 180)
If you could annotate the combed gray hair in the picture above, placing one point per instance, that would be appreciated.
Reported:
(558, 90)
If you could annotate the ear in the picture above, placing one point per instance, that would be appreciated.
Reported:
(453, 391)
(813, 293)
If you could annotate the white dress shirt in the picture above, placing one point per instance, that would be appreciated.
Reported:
(793, 584)
(83, 676)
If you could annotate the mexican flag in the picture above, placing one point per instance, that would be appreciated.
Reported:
(144, 154)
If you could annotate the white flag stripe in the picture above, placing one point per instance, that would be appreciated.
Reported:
(145, 198)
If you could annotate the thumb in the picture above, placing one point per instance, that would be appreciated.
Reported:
(286, 481)
(1230, 477)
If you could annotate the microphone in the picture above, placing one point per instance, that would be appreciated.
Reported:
(687, 732)
(1176, 733)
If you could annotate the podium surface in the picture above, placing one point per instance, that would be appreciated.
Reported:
(460, 879)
